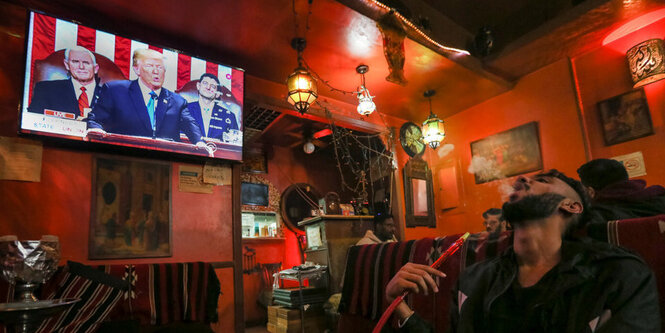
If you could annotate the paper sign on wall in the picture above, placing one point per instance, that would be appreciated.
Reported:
(634, 164)
(20, 159)
(190, 179)
(216, 174)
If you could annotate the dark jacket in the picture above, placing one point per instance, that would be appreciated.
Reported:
(221, 121)
(121, 110)
(629, 199)
(58, 95)
(597, 285)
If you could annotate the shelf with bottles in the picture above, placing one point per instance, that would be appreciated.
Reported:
(261, 225)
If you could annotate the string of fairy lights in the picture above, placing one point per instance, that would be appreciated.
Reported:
(417, 30)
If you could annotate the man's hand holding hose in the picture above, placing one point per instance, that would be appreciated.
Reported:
(414, 278)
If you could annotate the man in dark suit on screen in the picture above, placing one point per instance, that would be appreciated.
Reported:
(75, 95)
(213, 119)
(143, 107)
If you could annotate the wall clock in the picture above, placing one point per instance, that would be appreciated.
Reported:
(411, 139)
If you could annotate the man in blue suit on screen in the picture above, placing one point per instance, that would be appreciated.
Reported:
(74, 95)
(143, 107)
(213, 119)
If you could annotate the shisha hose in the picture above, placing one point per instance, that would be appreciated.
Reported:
(389, 311)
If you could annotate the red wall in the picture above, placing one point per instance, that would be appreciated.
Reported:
(550, 97)
(60, 203)
(546, 96)
(604, 73)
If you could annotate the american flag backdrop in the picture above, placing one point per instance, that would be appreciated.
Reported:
(48, 34)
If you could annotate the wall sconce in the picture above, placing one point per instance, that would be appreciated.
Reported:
(646, 62)
(365, 104)
(301, 85)
(433, 131)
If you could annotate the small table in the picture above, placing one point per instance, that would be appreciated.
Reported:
(26, 317)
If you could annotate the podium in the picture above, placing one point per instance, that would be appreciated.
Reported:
(328, 240)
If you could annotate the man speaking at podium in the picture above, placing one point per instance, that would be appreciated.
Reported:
(143, 107)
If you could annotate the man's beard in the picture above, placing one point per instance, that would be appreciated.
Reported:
(531, 208)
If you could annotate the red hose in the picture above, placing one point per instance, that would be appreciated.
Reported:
(389, 311)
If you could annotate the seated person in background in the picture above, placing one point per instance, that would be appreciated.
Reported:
(384, 231)
(614, 196)
(549, 281)
(77, 94)
(494, 221)
(213, 120)
(143, 107)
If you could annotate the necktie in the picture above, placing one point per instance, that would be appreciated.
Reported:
(83, 102)
(151, 109)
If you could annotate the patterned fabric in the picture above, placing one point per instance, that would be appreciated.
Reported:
(166, 293)
(178, 292)
(369, 268)
(153, 294)
(98, 297)
(646, 236)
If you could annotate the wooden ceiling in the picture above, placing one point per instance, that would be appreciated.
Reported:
(256, 34)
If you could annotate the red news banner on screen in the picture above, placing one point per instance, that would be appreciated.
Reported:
(48, 39)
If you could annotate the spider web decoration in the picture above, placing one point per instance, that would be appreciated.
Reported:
(365, 157)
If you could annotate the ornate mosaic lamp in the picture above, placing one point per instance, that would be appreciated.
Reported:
(433, 131)
(301, 84)
(646, 62)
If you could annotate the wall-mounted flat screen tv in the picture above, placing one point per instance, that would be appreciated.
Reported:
(254, 194)
(90, 85)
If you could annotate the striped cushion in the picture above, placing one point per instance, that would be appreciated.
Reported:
(369, 268)
(99, 294)
(168, 292)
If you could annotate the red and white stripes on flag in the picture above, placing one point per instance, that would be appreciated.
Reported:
(48, 34)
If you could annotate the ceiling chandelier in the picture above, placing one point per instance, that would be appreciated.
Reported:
(365, 104)
(301, 85)
(433, 131)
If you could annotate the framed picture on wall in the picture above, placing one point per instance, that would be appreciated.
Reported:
(255, 164)
(255, 160)
(505, 154)
(130, 215)
(625, 117)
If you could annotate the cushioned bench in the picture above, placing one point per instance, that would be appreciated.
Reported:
(131, 298)
(370, 267)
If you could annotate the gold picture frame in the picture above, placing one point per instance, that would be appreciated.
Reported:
(130, 215)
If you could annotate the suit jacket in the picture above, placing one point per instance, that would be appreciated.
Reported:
(58, 95)
(221, 121)
(121, 110)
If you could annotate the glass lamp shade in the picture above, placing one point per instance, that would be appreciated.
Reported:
(433, 131)
(308, 147)
(302, 89)
(646, 62)
(365, 104)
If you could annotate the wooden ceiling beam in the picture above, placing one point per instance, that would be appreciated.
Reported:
(443, 31)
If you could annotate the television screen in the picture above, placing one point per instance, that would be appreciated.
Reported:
(254, 194)
(89, 85)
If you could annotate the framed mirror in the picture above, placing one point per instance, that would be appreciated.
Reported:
(298, 201)
(418, 194)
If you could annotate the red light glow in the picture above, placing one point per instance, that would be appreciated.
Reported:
(322, 133)
(635, 25)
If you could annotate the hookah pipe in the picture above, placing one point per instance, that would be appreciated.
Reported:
(389, 311)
